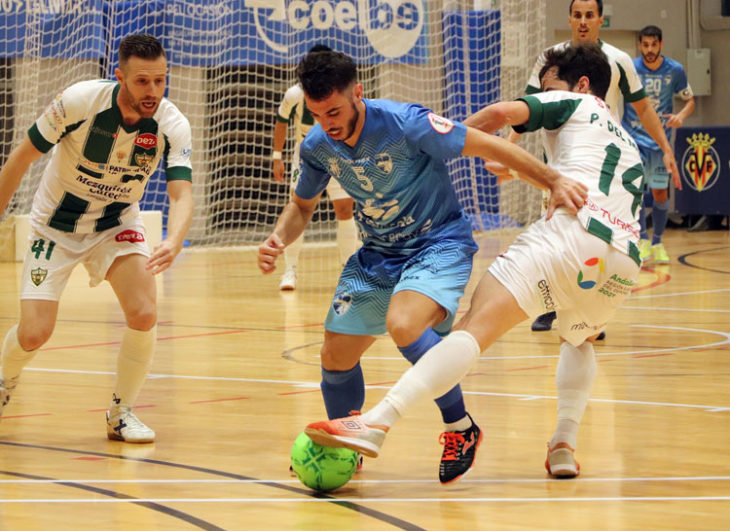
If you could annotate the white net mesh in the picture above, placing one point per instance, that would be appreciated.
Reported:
(230, 63)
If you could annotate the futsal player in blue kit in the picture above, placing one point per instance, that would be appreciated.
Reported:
(416, 257)
(663, 79)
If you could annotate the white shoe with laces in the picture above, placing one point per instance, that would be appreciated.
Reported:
(123, 425)
(289, 280)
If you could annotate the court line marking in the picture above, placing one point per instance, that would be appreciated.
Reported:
(610, 499)
(678, 294)
(369, 481)
(669, 309)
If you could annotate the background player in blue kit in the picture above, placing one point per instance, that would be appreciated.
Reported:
(663, 78)
(417, 248)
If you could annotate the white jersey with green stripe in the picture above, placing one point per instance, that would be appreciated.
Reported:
(99, 166)
(584, 141)
(624, 79)
(293, 109)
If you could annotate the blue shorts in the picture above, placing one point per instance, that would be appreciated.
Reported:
(440, 271)
(655, 174)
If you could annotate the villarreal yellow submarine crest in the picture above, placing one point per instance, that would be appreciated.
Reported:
(700, 163)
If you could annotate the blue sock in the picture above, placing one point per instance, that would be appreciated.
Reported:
(343, 391)
(644, 234)
(660, 215)
(452, 403)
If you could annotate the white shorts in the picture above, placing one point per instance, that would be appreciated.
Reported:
(334, 191)
(558, 266)
(53, 255)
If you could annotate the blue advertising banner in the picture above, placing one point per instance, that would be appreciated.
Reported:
(251, 32)
(703, 157)
(73, 30)
(222, 33)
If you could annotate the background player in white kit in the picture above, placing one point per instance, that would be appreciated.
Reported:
(294, 109)
(581, 266)
(109, 139)
(585, 20)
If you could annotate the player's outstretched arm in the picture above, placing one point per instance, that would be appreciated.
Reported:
(292, 221)
(15, 167)
(570, 193)
(178, 223)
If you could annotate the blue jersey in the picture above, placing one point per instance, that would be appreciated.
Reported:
(660, 86)
(396, 174)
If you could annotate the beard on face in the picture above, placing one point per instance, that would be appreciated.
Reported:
(353, 121)
(650, 57)
(136, 105)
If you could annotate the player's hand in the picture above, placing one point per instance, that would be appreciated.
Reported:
(566, 193)
(502, 172)
(671, 165)
(162, 256)
(673, 120)
(269, 251)
(278, 170)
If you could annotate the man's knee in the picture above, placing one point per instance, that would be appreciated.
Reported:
(34, 336)
(142, 317)
(403, 328)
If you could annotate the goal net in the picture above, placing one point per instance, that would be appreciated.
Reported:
(231, 62)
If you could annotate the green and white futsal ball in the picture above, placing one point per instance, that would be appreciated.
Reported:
(320, 467)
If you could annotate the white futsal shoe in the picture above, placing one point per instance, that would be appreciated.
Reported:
(123, 425)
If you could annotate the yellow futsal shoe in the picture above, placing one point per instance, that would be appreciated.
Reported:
(644, 250)
(659, 253)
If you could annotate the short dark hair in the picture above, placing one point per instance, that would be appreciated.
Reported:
(140, 45)
(323, 72)
(651, 31)
(575, 61)
(600, 7)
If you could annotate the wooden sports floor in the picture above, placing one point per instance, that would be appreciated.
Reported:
(236, 378)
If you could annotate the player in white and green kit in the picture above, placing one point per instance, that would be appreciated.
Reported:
(293, 109)
(107, 138)
(585, 20)
(580, 266)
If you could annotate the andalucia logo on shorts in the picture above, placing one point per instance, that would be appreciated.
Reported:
(38, 275)
(592, 263)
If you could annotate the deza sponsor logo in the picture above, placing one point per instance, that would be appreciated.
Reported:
(146, 140)
(391, 26)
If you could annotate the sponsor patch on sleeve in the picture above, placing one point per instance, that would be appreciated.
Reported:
(440, 124)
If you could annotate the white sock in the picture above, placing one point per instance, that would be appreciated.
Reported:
(291, 253)
(440, 369)
(347, 240)
(566, 431)
(133, 363)
(14, 358)
(574, 379)
(460, 425)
